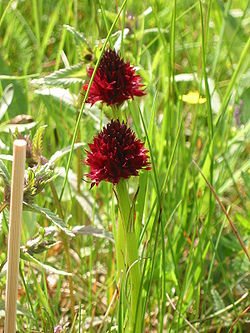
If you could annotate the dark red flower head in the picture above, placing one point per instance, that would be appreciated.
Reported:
(116, 153)
(115, 81)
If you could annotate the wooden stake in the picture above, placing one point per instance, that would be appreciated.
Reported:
(16, 204)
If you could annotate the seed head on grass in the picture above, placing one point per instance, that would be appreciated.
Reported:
(115, 81)
(116, 153)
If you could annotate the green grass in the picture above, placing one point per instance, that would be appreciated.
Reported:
(195, 271)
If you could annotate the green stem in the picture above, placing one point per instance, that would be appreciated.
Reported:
(120, 248)
(65, 240)
(2, 206)
(5, 12)
(118, 232)
(135, 281)
(127, 237)
(79, 175)
(116, 113)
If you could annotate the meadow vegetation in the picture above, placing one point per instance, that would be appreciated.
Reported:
(191, 210)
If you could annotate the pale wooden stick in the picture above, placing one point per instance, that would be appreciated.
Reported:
(16, 204)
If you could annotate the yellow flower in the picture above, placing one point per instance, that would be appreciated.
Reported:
(193, 97)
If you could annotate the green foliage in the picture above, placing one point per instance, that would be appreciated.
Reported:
(41, 242)
(49, 216)
(28, 257)
(35, 181)
(63, 77)
(4, 173)
(78, 36)
(37, 147)
(6, 100)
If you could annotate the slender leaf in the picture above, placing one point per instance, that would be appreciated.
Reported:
(6, 99)
(50, 216)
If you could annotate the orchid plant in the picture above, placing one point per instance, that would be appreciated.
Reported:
(114, 156)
